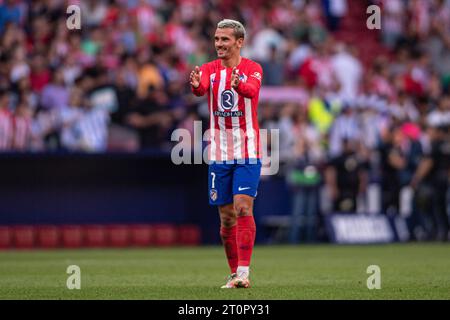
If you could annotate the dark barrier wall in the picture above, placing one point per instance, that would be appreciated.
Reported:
(115, 188)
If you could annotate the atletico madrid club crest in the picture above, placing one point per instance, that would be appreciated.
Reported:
(213, 194)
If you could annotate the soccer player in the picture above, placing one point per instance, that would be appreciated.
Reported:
(232, 83)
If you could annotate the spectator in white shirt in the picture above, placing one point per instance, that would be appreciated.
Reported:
(345, 127)
(348, 71)
(84, 128)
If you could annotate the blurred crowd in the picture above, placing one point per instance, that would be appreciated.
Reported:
(120, 83)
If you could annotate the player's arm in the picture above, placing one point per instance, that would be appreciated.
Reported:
(250, 88)
(199, 80)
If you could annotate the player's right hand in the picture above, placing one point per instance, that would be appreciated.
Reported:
(195, 77)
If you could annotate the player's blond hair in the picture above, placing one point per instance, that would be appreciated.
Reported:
(239, 30)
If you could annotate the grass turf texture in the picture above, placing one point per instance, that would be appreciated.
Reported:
(408, 271)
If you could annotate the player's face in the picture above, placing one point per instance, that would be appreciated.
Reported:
(226, 43)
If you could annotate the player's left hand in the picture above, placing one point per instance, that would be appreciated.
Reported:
(234, 78)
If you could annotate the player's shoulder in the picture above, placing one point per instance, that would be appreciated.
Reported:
(254, 69)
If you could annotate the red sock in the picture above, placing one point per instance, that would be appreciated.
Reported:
(246, 232)
(229, 242)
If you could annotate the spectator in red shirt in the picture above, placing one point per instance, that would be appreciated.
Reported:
(40, 75)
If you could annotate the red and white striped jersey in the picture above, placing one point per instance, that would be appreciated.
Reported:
(22, 133)
(6, 129)
(234, 129)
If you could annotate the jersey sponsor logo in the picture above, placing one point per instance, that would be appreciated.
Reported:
(256, 75)
(242, 189)
(227, 114)
(227, 99)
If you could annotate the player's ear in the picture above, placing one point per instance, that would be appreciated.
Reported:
(240, 42)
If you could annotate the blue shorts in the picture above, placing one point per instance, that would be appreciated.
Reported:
(225, 180)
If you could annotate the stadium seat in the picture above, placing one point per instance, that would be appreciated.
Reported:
(5, 237)
(142, 235)
(165, 235)
(72, 236)
(95, 236)
(48, 237)
(118, 236)
(189, 235)
(24, 237)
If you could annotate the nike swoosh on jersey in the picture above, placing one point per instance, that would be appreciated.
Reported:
(242, 189)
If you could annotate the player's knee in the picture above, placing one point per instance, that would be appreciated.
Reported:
(227, 218)
(243, 208)
(228, 221)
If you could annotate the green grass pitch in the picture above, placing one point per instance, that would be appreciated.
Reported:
(408, 271)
